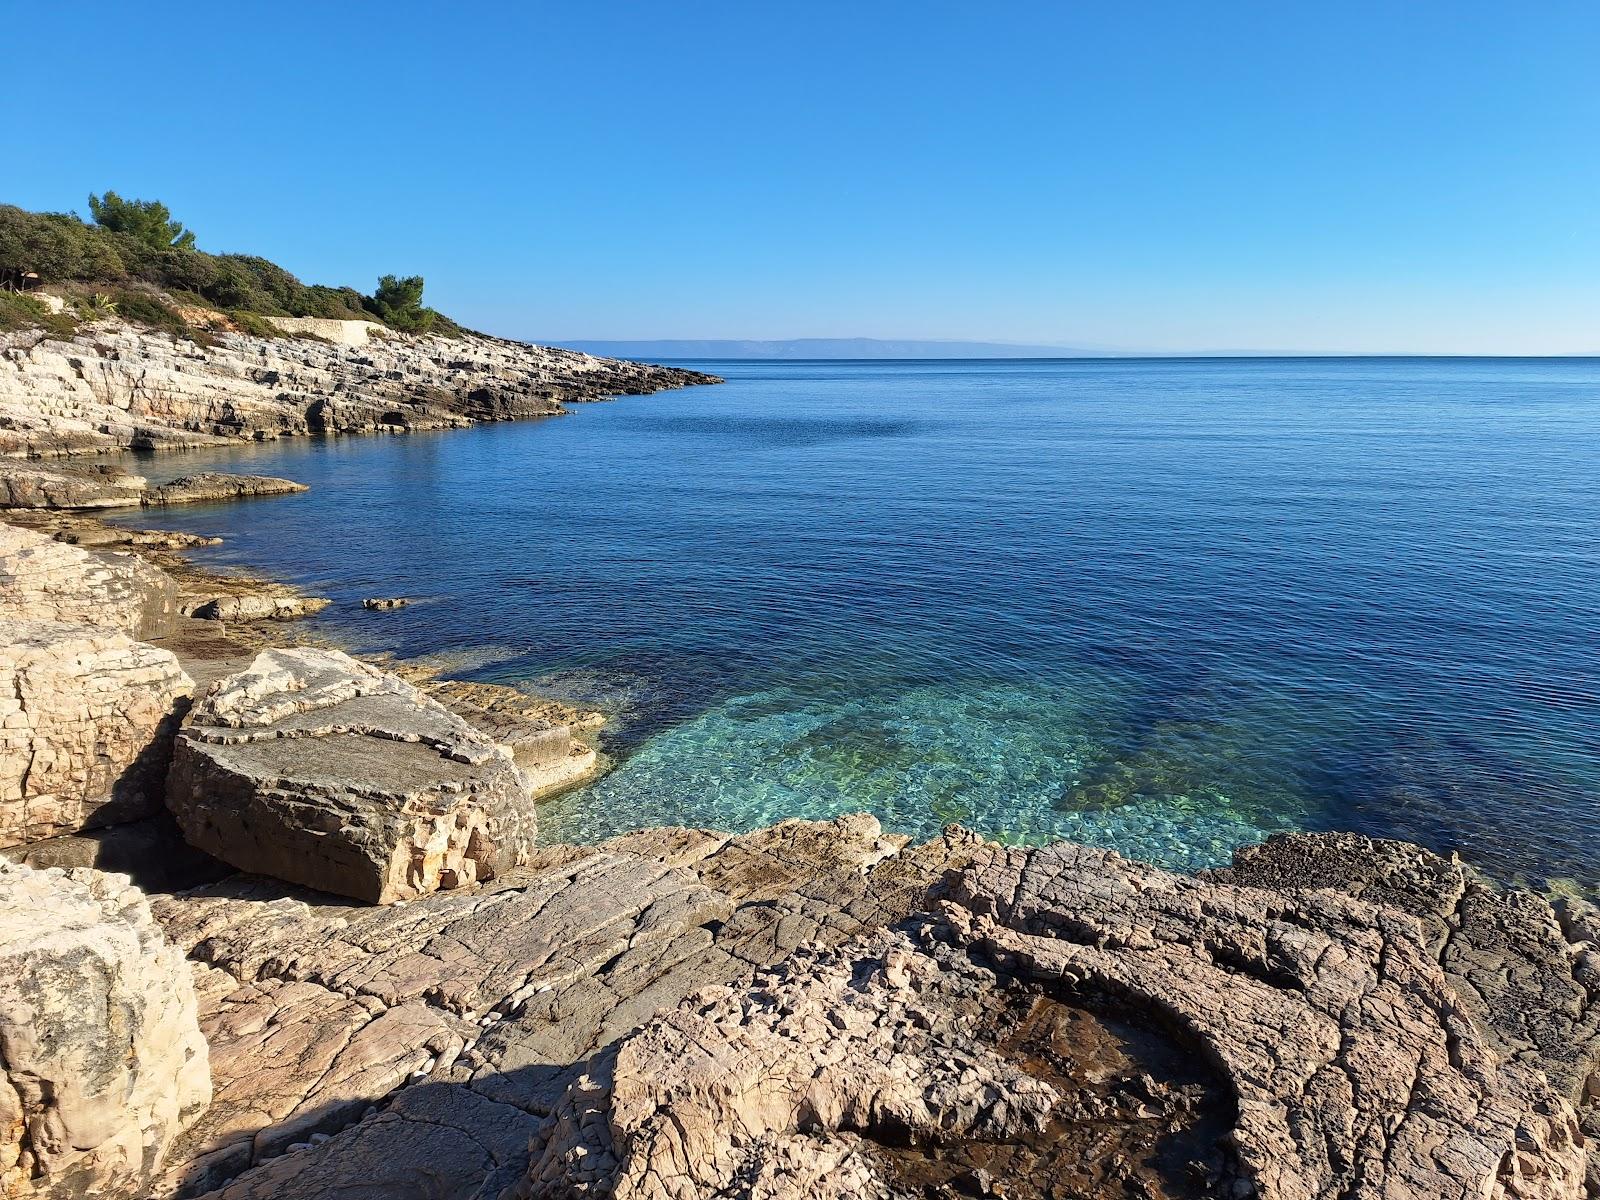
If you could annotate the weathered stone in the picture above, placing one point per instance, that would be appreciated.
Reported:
(117, 386)
(102, 1056)
(546, 964)
(382, 603)
(208, 487)
(42, 579)
(87, 717)
(321, 770)
(259, 606)
(70, 486)
(1355, 1068)
(150, 852)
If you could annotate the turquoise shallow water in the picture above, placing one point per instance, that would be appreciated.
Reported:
(1167, 606)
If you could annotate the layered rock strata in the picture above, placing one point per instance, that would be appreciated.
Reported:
(87, 717)
(102, 1062)
(45, 580)
(28, 485)
(321, 770)
(116, 386)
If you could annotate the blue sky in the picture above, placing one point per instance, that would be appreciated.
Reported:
(1346, 177)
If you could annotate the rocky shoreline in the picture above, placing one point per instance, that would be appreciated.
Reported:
(332, 957)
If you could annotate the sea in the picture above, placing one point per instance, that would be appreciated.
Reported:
(1168, 606)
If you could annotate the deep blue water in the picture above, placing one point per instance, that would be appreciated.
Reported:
(1167, 606)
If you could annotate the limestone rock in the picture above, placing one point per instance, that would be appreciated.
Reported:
(118, 386)
(45, 580)
(87, 717)
(259, 606)
(69, 486)
(211, 486)
(534, 971)
(321, 770)
(1355, 1068)
(104, 1063)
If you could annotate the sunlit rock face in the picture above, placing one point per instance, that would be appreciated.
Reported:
(87, 718)
(104, 1064)
(324, 771)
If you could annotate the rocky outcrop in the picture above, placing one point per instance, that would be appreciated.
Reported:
(321, 770)
(45, 580)
(71, 486)
(116, 386)
(263, 605)
(428, 1039)
(87, 717)
(102, 1057)
(1352, 1066)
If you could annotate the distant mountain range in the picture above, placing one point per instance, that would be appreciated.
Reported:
(822, 348)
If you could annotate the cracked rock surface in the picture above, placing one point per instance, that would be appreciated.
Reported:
(87, 717)
(321, 770)
(1353, 1065)
(481, 1006)
(102, 1063)
(42, 579)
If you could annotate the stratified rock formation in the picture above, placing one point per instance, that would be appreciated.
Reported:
(102, 1063)
(87, 717)
(45, 580)
(115, 386)
(1353, 1066)
(324, 771)
(73, 486)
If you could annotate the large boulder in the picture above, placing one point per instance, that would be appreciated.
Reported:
(324, 771)
(42, 579)
(102, 1057)
(87, 717)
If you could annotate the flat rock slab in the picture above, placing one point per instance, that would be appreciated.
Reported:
(1352, 1067)
(87, 719)
(533, 973)
(324, 771)
(104, 1063)
(72, 486)
(42, 579)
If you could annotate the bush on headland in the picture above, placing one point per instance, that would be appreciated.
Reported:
(134, 248)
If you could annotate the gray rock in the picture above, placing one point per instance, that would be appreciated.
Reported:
(259, 606)
(324, 771)
(104, 1063)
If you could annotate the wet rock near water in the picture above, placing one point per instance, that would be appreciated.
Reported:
(118, 386)
(73, 486)
(104, 1064)
(262, 604)
(382, 603)
(321, 770)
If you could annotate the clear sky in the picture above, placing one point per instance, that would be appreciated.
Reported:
(1350, 176)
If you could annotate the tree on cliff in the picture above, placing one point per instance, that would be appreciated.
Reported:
(398, 304)
(147, 221)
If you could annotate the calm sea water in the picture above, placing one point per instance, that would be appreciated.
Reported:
(1165, 606)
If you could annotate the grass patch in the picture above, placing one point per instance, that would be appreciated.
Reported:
(25, 312)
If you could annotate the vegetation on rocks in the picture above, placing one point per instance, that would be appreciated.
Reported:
(136, 247)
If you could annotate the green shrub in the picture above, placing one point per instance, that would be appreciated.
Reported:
(255, 324)
(27, 312)
(139, 241)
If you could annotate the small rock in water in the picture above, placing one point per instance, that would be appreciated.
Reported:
(385, 602)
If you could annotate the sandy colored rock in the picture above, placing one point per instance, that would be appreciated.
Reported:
(87, 718)
(103, 1060)
(42, 579)
(321, 770)
(259, 606)
(74, 486)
